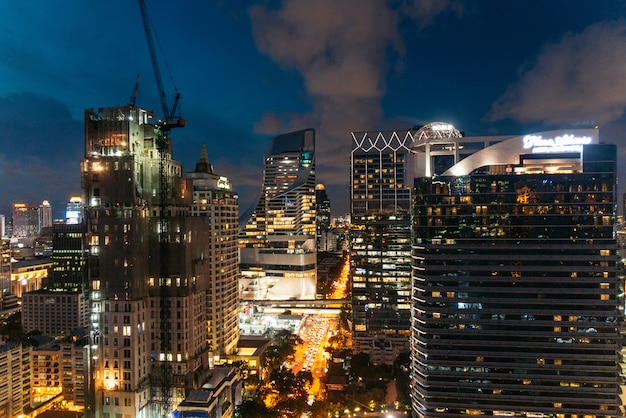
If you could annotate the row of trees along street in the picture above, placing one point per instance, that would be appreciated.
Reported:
(278, 392)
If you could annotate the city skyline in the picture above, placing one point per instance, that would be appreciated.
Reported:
(248, 71)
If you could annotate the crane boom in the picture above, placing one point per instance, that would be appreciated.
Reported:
(170, 120)
(133, 96)
(153, 57)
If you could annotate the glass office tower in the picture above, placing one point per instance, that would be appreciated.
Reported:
(277, 251)
(380, 235)
(322, 216)
(514, 282)
(383, 166)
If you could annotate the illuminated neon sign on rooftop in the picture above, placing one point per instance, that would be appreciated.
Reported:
(562, 143)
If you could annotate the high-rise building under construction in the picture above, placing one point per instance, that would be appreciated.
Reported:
(152, 271)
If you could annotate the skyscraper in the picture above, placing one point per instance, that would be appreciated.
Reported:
(515, 286)
(322, 214)
(215, 201)
(150, 283)
(45, 215)
(69, 254)
(74, 211)
(277, 243)
(26, 220)
(382, 169)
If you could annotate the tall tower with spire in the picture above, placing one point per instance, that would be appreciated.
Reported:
(215, 202)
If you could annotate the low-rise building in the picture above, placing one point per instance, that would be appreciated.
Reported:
(217, 397)
(28, 275)
(250, 349)
(60, 368)
(54, 313)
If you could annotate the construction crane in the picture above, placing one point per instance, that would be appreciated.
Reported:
(169, 121)
(133, 96)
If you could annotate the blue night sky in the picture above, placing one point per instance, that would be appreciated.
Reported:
(250, 70)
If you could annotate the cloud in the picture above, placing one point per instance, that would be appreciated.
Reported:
(339, 48)
(582, 77)
(424, 11)
(273, 122)
(342, 49)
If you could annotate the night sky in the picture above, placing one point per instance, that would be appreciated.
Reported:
(250, 70)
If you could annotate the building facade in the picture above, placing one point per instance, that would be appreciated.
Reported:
(277, 242)
(60, 368)
(149, 281)
(382, 167)
(215, 201)
(322, 218)
(515, 287)
(69, 255)
(60, 305)
(6, 297)
(15, 376)
(29, 275)
(26, 220)
(54, 312)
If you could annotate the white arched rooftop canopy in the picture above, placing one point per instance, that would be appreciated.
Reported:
(509, 150)
(436, 130)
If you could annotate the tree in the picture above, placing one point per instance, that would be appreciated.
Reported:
(345, 317)
(242, 369)
(249, 381)
(285, 339)
(319, 409)
(248, 409)
(402, 367)
(283, 346)
(290, 385)
(271, 358)
(292, 407)
(359, 365)
(11, 330)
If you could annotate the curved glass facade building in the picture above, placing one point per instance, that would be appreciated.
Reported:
(515, 289)
(277, 243)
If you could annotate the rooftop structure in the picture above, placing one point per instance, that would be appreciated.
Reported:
(218, 396)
